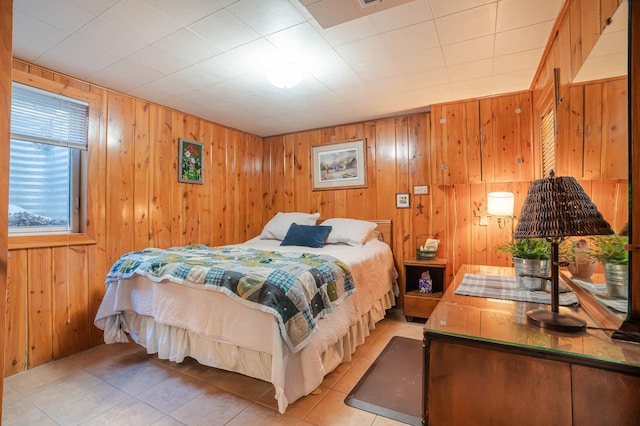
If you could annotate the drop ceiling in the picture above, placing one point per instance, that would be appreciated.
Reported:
(208, 57)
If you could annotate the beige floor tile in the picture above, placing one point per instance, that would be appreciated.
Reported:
(173, 392)
(168, 421)
(76, 407)
(353, 376)
(137, 377)
(212, 407)
(383, 421)
(332, 411)
(258, 415)
(303, 406)
(130, 412)
(17, 410)
(332, 378)
(71, 386)
(27, 380)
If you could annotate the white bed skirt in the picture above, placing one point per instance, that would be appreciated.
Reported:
(292, 375)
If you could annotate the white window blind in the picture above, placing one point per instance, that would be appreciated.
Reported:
(45, 117)
(548, 143)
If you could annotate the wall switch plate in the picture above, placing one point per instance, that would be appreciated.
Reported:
(421, 190)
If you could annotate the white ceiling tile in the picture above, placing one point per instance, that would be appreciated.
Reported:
(518, 61)
(378, 70)
(94, 6)
(521, 13)
(298, 41)
(154, 26)
(472, 23)
(322, 62)
(512, 81)
(412, 38)
(186, 11)
(448, 7)
(347, 32)
(469, 50)
(470, 70)
(33, 37)
(224, 30)
(363, 51)
(432, 77)
(267, 17)
(120, 42)
(421, 60)
(188, 46)
(610, 43)
(340, 79)
(401, 16)
(133, 74)
(61, 14)
(522, 39)
(158, 59)
(600, 67)
(437, 94)
(474, 88)
(227, 89)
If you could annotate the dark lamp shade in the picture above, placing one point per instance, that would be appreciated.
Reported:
(558, 207)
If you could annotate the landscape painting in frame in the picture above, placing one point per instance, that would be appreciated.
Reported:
(190, 156)
(339, 165)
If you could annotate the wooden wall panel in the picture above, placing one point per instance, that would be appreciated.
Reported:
(141, 176)
(71, 320)
(615, 130)
(40, 320)
(16, 328)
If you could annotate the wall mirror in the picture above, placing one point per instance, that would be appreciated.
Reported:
(608, 59)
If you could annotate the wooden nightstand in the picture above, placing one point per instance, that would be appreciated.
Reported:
(418, 304)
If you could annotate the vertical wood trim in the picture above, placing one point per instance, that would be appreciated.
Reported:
(15, 357)
(6, 26)
(141, 176)
(39, 279)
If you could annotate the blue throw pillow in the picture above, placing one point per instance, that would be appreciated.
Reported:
(306, 235)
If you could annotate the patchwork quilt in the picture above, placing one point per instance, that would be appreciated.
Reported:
(297, 288)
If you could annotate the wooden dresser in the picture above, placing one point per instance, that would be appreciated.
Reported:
(485, 364)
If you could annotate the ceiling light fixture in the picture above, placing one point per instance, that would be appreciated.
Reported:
(284, 76)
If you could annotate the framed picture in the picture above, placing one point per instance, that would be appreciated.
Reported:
(339, 165)
(190, 156)
(402, 200)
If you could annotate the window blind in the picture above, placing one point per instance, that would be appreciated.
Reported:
(48, 118)
(547, 136)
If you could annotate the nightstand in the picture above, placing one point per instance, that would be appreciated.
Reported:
(418, 304)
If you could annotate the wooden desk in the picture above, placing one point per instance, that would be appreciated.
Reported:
(485, 364)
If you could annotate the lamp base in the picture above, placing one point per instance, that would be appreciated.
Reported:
(556, 321)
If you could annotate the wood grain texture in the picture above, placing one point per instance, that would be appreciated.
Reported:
(477, 393)
(6, 26)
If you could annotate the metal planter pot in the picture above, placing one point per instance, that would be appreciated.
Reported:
(617, 280)
(531, 267)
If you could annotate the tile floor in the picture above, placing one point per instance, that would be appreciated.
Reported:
(122, 385)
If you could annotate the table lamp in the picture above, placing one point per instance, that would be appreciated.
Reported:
(555, 208)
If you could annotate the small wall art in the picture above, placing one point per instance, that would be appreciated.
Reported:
(190, 159)
(402, 200)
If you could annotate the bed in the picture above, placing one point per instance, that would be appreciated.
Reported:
(227, 330)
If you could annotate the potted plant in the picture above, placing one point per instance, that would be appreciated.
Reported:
(610, 251)
(576, 254)
(530, 257)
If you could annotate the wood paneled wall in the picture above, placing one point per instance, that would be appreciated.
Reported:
(134, 200)
(6, 25)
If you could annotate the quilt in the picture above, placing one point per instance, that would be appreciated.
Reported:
(296, 287)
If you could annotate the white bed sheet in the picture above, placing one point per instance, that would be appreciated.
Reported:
(176, 321)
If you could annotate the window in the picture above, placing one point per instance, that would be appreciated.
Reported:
(48, 137)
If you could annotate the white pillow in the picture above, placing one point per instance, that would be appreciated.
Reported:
(349, 231)
(277, 227)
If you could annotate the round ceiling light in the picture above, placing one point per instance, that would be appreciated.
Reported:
(284, 76)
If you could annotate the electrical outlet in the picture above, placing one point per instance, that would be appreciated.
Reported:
(421, 190)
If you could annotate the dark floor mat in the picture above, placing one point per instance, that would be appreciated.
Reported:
(392, 386)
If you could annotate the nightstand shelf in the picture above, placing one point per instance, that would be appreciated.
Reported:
(418, 304)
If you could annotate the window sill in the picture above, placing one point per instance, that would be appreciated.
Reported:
(41, 241)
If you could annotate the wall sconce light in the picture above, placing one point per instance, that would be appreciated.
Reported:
(500, 204)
